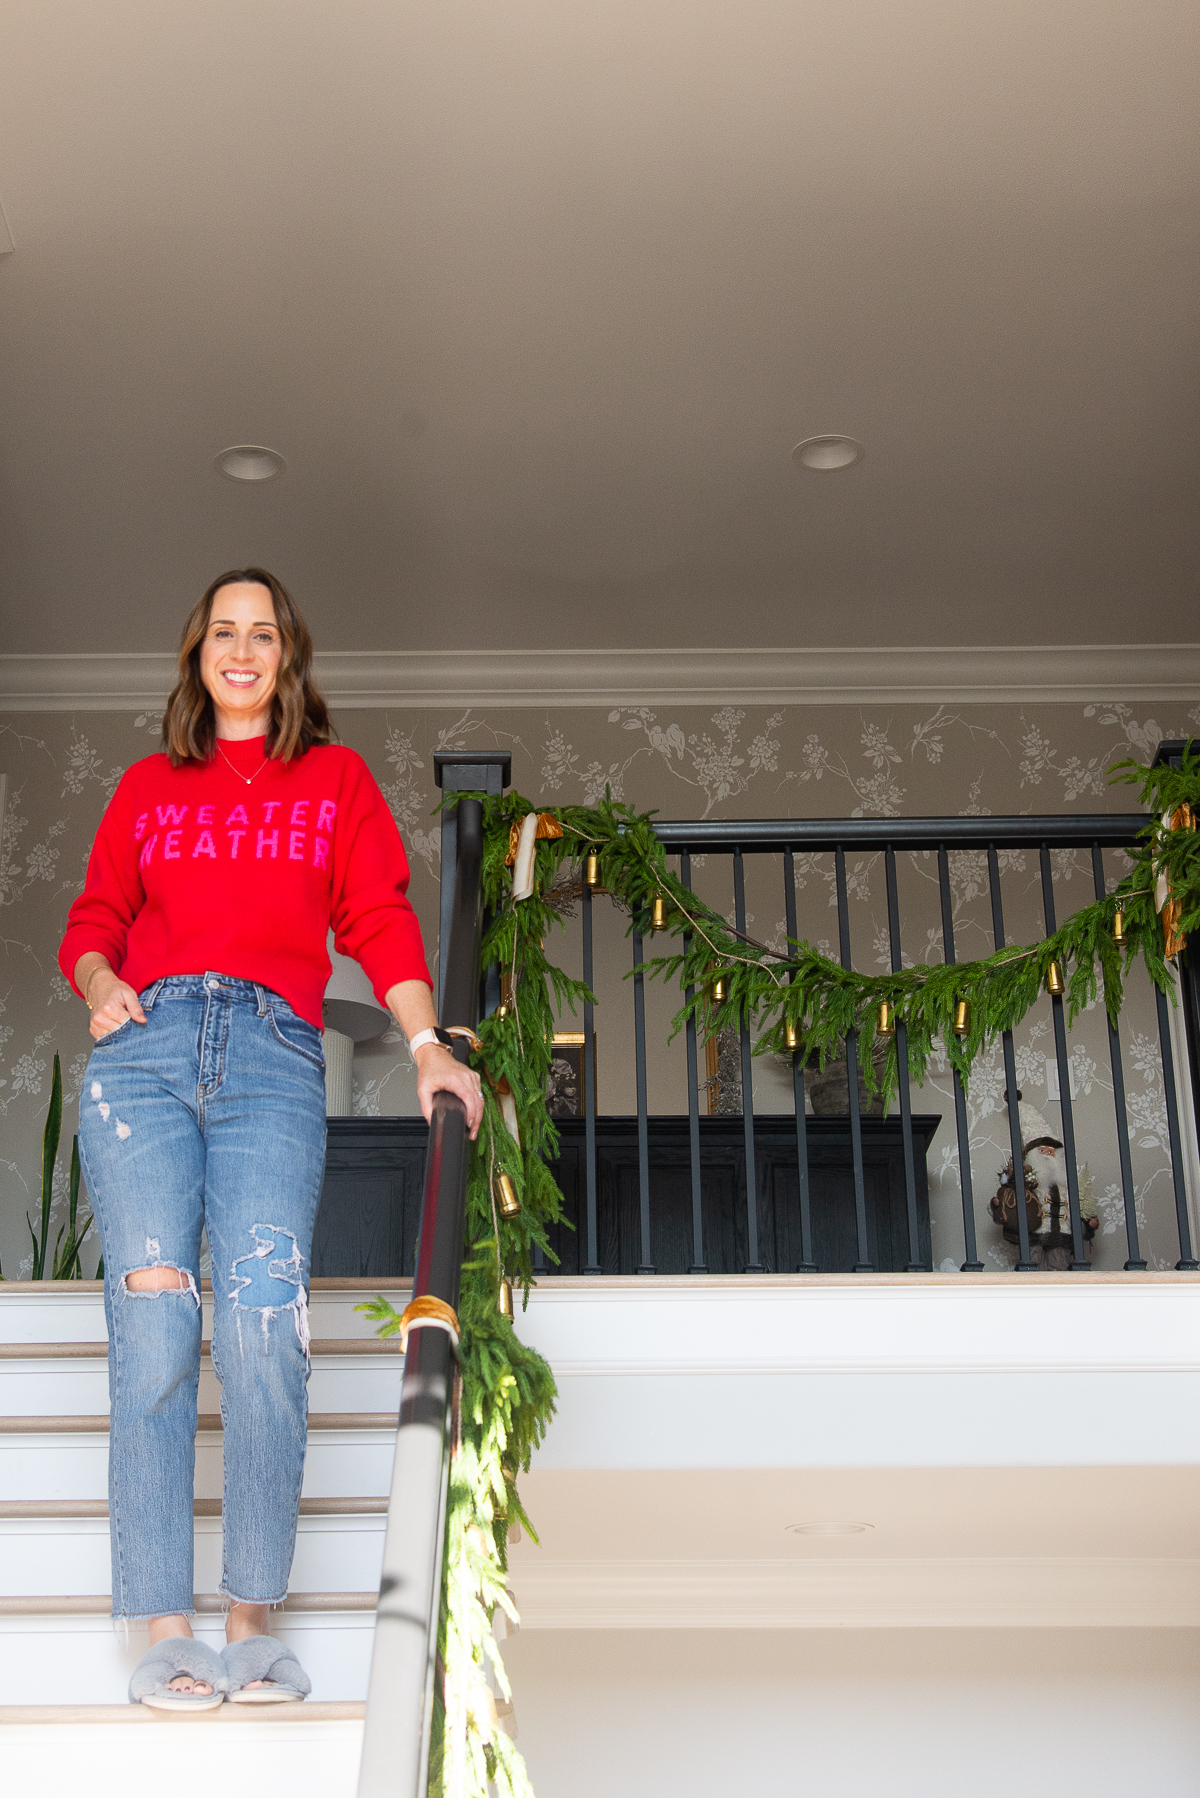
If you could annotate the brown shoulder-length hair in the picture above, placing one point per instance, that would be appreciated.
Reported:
(299, 716)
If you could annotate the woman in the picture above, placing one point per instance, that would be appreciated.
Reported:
(199, 946)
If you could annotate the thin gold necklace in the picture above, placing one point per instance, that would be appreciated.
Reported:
(248, 778)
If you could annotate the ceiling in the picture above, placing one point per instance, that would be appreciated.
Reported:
(535, 299)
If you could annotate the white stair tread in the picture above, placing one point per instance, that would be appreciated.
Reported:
(61, 1715)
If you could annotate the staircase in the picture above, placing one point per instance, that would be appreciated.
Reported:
(62, 1662)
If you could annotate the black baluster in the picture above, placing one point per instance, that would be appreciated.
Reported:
(698, 1266)
(739, 904)
(807, 1264)
(972, 1264)
(589, 1090)
(1079, 1264)
(915, 1265)
(639, 1033)
(1135, 1263)
(1024, 1263)
(863, 1264)
(1185, 1262)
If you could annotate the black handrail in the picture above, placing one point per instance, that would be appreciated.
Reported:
(395, 1757)
(829, 834)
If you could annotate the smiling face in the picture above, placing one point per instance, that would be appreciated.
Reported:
(239, 658)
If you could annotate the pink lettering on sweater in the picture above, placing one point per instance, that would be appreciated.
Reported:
(239, 815)
(171, 849)
(139, 829)
(327, 814)
(175, 814)
(296, 846)
(267, 841)
(320, 851)
(205, 844)
(299, 815)
(235, 837)
(270, 807)
(147, 852)
(204, 814)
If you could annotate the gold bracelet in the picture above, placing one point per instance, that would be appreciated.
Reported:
(87, 987)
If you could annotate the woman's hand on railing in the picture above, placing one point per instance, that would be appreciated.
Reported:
(438, 1072)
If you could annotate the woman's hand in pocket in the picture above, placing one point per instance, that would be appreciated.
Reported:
(114, 1002)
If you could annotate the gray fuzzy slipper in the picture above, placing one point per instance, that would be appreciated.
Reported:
(262, 1657)
(169, 1660)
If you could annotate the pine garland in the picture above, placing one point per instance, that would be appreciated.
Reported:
(507, 1389)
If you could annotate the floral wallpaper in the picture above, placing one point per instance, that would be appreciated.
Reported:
(735, 761)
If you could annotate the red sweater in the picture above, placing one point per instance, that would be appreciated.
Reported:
(192, 869)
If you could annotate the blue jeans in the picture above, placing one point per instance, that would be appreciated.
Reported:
(211, 1113)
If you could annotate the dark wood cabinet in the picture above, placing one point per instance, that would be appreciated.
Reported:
(723, 1193)
(370, 1207)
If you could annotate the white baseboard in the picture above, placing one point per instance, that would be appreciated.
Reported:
(1012, 675)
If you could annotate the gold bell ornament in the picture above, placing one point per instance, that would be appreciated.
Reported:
(791, 1036)
(592, 873)
(510, 1204)
(1120, 935)
(886, 1022)
(658, 914)
(1056, 986)
(719, 989)
(962, 1018)
(504, 1303)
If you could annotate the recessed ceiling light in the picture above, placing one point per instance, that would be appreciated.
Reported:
(826, 454)
(828, 1529)
(250, 462)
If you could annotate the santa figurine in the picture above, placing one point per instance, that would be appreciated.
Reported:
(1047, 1208)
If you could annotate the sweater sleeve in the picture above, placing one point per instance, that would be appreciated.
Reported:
(373, 921)
(112, 894)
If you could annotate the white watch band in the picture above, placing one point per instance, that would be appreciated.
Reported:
(420, 1039)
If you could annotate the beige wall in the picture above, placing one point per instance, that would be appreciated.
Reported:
(829, 761)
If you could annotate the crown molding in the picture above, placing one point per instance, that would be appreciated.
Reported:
(1136, 673)
(858, 1591)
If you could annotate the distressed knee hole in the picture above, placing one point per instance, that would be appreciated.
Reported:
(161, 1279)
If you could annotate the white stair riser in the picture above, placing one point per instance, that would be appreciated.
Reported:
(340, 1464)
(71, 1317)
(111, 1761)
(65, 1556)
(47, 1387)
(82, 1660)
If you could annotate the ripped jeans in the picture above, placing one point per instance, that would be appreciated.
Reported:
(211, 1113)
